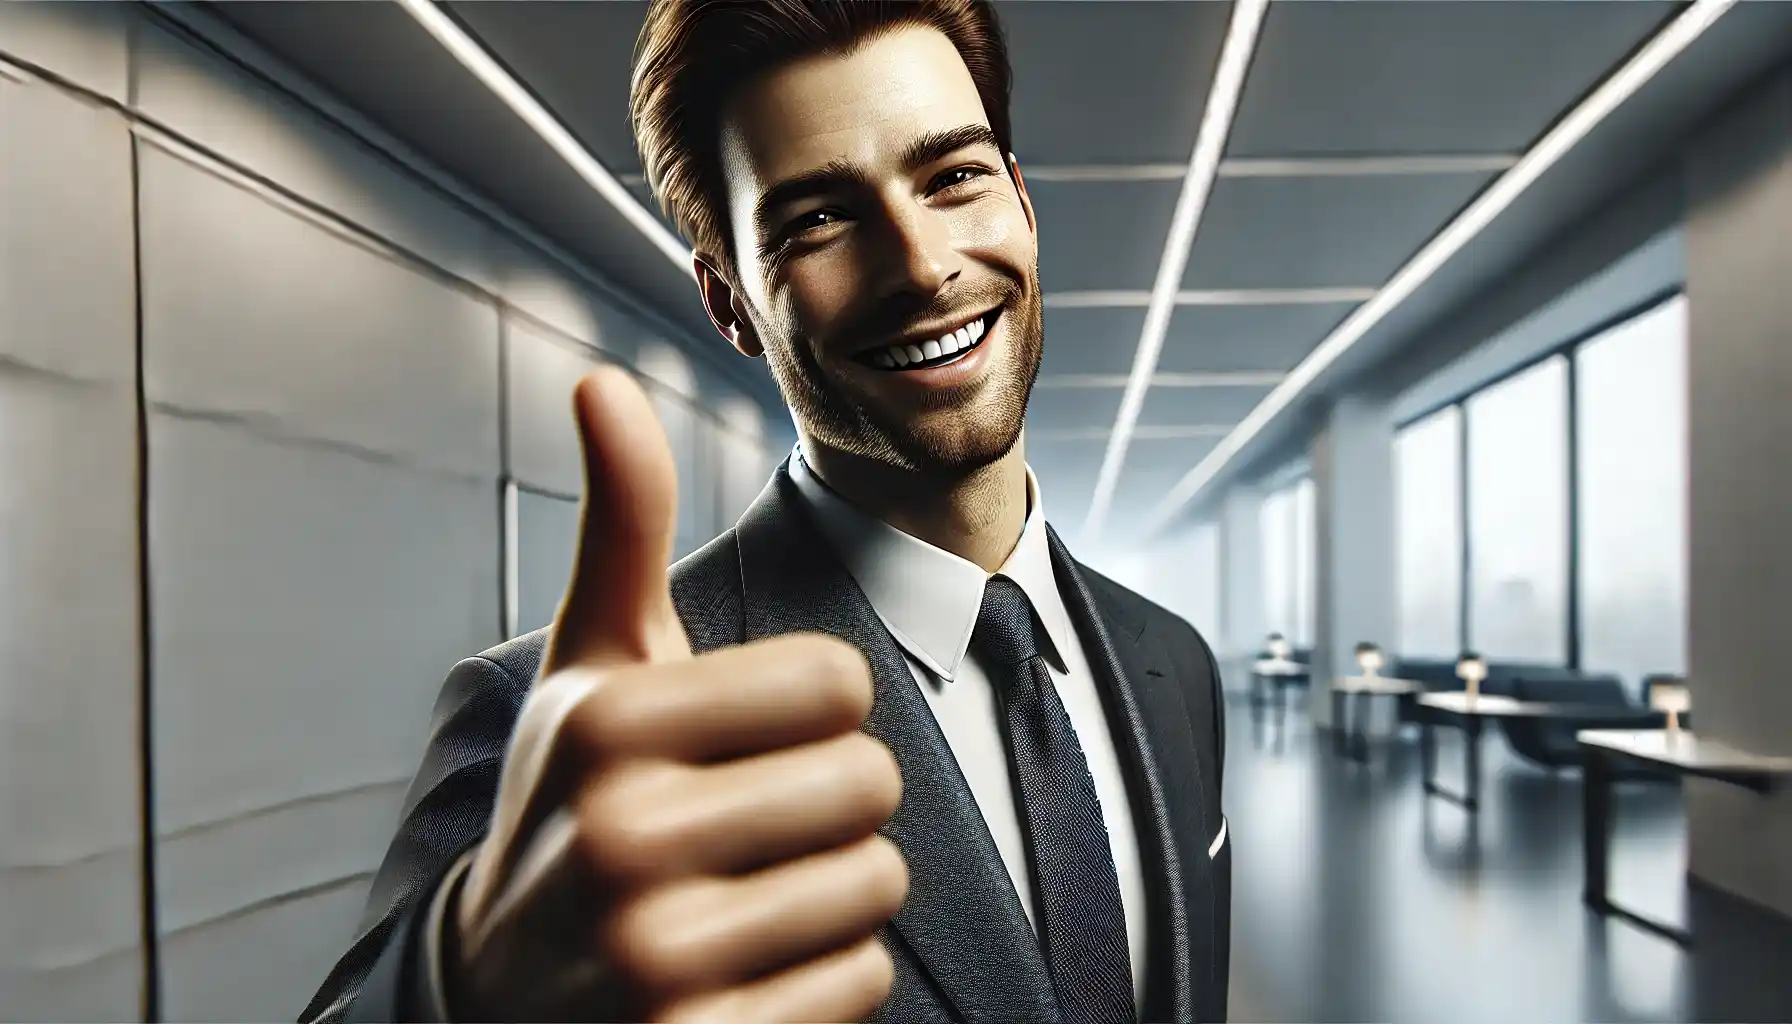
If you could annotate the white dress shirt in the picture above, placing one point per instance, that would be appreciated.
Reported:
(929, 599)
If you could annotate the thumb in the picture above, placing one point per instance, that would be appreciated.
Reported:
(618, 607)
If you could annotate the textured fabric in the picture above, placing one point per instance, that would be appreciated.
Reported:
(1082, 926)
(929, 599)
(962, 947)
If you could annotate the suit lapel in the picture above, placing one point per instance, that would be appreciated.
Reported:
(962, 917)
(1151, 732)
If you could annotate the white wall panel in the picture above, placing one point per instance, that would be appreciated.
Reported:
(262, 964)
(67, 298)
(547, 535)
(543, 436)
(308, 604)
(252, 311)
(88, 44)
(221, 108)
(70, 898)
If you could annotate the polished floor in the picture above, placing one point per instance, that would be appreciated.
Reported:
(1356, 898)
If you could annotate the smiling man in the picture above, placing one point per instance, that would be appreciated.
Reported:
(885, 747)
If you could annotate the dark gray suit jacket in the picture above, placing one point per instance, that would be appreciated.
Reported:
(962, 945)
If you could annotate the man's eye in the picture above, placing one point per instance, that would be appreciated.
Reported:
(958, 176)
(812, 220)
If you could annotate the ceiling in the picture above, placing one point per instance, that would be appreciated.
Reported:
(1307, 219)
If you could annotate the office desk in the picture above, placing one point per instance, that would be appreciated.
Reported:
(1682, 753)
(1467, 713)
(1348, 737)
(1277, 674)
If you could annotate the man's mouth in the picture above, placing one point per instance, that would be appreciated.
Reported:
(947, 348)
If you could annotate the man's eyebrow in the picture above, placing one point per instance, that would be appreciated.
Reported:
(837, 175)
(935, 146)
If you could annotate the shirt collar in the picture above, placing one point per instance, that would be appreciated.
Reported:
(927, 596)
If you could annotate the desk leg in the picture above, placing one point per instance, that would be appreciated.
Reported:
(1596, 826)
(1472, 739)
(1427, 750)
(1340, 736)
(1359, 733)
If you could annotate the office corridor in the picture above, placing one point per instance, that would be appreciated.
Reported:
(1358, 898)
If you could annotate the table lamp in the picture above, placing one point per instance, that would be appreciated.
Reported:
(1279, 647)
(1471, 670)
(1672, 698)
(1369, 658)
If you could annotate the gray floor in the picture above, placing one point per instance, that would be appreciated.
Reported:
(1355, 898)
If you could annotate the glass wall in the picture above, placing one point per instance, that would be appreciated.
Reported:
(1428, 528)
(1631, 415)
(1615, 513)
(1518, 515)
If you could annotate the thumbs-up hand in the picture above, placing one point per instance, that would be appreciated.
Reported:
(675, 837)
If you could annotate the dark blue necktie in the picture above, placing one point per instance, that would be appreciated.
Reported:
(1076, 892)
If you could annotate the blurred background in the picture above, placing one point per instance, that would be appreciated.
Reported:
(1441, 327)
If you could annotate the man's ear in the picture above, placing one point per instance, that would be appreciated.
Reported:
(725, 308)
(1020, 185)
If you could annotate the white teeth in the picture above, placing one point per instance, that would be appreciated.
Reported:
(899, 356)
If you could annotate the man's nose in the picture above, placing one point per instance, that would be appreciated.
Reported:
(915, 252)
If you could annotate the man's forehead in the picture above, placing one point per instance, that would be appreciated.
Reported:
(865, 107)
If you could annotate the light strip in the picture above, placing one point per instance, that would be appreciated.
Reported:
(1363, 166)
(1203, 167)
(1570, 130)
(536, 116)
(1161, 380)
(1122, 299)
(1270, 167)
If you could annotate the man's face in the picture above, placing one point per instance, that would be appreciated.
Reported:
(876, 229)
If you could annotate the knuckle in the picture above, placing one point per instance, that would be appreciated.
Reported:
(621, 839)
(643, 948)
(843, 672)
(886, 874)
(876, 975)
(607, 716)
(874, 776)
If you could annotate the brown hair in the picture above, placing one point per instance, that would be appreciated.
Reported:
(692, 54)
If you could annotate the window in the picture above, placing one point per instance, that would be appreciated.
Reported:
(1278, 562)
(1518, 516)
(1290, 561)
(1306, 563)
(1630, 397)
(1428, 535)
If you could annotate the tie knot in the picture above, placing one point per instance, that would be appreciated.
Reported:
(1005, 624)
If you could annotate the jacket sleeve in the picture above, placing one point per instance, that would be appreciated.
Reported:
(447, 811)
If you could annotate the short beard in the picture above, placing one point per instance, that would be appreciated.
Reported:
(836, 417)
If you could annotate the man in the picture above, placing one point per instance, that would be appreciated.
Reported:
(664, 806)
